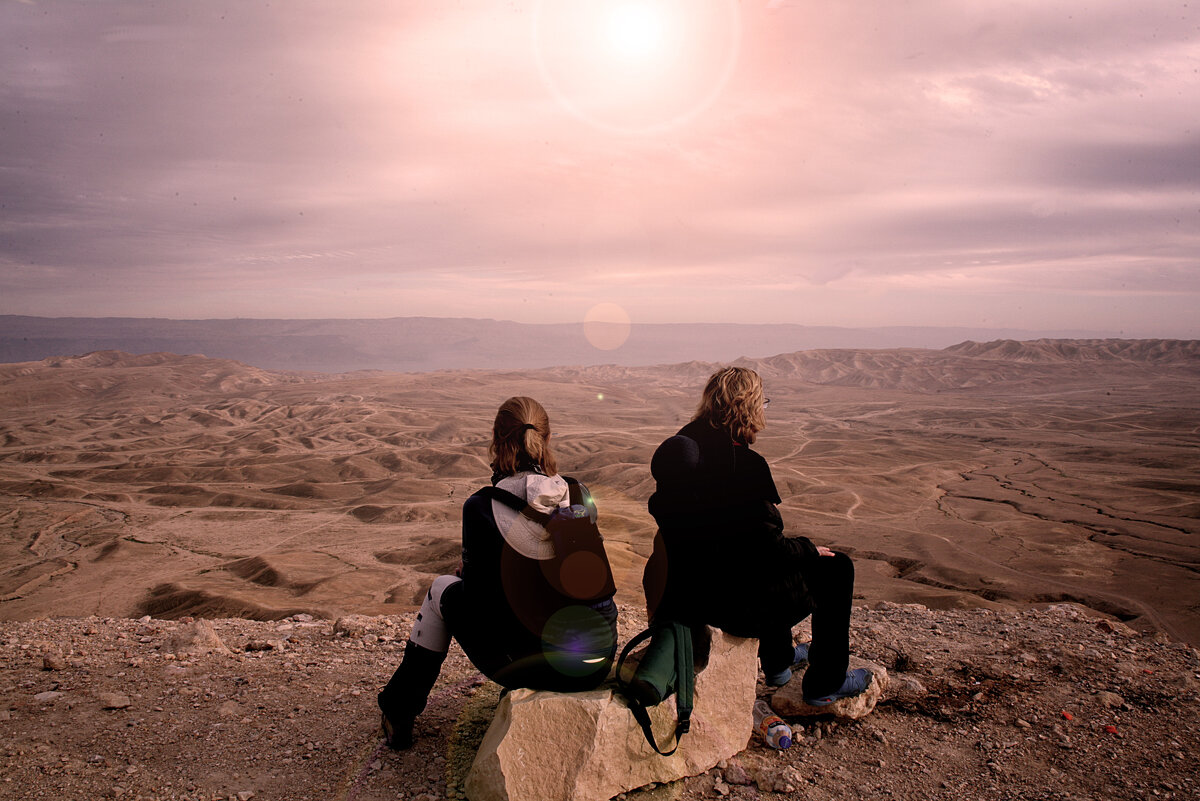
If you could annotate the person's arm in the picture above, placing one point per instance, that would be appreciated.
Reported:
(480, 549)
(756, 475)
(763, 527)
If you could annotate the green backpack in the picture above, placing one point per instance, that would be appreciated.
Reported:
(666, 668)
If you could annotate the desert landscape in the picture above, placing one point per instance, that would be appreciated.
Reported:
(981, 475)
(1023, 517)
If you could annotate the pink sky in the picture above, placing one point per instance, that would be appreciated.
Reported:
(995, 164)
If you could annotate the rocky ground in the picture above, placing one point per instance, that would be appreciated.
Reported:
(1038, 704)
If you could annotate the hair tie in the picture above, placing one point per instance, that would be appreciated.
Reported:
(528, 426)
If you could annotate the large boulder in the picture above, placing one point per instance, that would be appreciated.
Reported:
(788, 700)
(588, 747)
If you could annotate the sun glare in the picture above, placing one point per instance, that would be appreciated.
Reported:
(635, 31)
(636, 66)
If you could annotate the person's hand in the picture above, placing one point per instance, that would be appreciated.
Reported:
(823, 551)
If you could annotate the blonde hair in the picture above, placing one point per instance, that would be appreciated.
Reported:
(521, 438)
(733, 402)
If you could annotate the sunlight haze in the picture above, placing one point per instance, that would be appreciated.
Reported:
(1004, 165)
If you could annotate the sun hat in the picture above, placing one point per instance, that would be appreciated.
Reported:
(544, 494)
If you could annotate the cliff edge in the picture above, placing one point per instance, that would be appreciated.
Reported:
(1051, 703)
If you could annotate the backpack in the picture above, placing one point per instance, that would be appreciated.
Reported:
(580, 569)
(666, 668)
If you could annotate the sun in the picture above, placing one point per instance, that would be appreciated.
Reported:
(636, 66)
(635, 31)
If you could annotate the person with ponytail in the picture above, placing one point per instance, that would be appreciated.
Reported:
(512, 622)
(720, 556)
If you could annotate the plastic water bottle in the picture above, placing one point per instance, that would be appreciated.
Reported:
(771, 727)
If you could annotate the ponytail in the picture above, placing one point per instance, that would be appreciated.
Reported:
(521, 438)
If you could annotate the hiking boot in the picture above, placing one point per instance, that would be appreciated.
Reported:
(799, 657)
(407, 693)
(856, 682)
(397, 735)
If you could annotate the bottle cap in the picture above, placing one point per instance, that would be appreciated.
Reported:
(785, 742)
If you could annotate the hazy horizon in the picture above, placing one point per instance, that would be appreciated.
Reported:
(421, 344)
(995, 165)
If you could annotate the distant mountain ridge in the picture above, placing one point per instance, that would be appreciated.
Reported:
(975, 364)
(964, 366)
(1075, 350)
(423, 344)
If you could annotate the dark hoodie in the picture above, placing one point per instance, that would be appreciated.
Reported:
(720, 557)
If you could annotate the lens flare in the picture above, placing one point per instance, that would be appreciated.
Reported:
(606, 326)
(636, 66)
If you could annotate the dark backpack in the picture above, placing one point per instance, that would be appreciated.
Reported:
(580, 569)
(666, 668)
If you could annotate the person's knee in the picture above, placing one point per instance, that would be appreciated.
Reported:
(830, 575)
(430, 630)
(843, 566)
(439, 586)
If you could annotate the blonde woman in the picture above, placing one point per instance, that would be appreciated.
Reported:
(518, 625)
(720, 557)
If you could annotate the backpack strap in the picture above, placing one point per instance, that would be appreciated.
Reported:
(685, 678)
(515, 502)
(638, 638)
(578, 493)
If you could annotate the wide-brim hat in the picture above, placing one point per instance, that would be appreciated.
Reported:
(544, 494)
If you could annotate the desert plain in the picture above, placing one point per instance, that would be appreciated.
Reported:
(1000, 475)
(1003, 503)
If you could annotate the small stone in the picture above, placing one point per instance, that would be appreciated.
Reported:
(245, 795)
(906, 687)
(53, 662)
(1110, 699)
(736, 774)
(352, 625)
(1114, 627)
(48, 697)
(1024, 724)
(114, 701)
(195, 639)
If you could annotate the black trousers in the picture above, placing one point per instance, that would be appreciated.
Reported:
(830, 581)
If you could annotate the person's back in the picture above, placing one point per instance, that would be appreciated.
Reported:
(502, 605)
(720, 557)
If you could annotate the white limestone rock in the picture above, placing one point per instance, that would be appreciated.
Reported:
(588, 747)
(788, 700)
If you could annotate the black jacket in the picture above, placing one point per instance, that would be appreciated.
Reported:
(720, 557)
(512, 625)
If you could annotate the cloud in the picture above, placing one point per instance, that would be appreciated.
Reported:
(377, 156)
